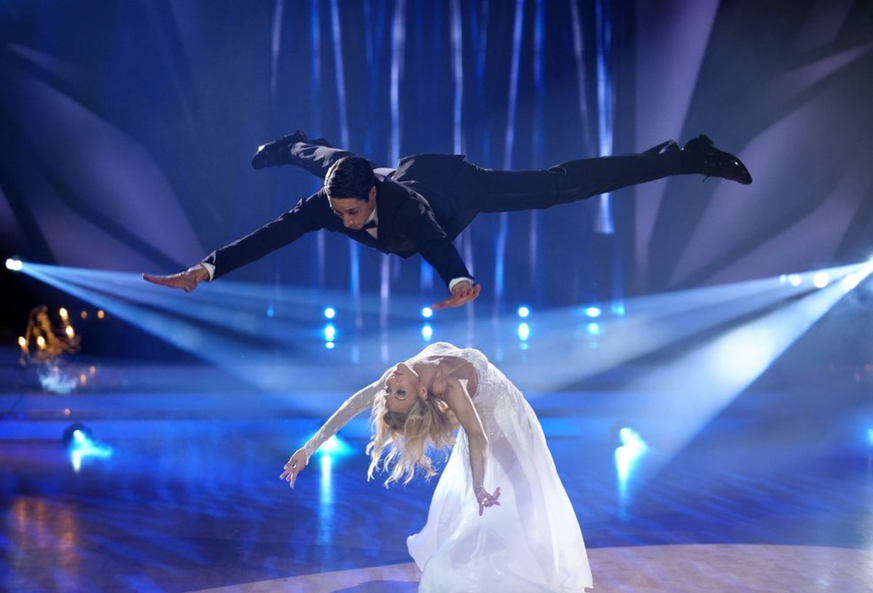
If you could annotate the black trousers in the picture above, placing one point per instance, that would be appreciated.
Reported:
(491, 190)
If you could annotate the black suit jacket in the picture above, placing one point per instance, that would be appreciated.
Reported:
(409, 222)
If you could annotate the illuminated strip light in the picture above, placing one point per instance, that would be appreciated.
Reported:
(537, 283)
(605, 224)
(340, 72)
(276, 46)
(458, 73)
(398, 47)
(579, 53)
(315, 106)
(503, 231)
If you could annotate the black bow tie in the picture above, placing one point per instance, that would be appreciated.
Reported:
(370, 225)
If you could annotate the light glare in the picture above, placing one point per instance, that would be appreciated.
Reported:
(524, 312)
(851, 281)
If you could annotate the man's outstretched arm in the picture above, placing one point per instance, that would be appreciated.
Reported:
(435, 247)
(286, 229)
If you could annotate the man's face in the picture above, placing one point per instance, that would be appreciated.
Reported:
(352, 211)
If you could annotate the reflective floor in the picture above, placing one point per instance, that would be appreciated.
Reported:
(773, 493)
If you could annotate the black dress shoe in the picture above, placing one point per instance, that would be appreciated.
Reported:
(713, 162)
(277, 152)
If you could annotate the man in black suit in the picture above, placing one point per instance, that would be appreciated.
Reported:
(425, 203)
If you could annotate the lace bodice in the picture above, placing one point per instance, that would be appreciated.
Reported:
(471, 355)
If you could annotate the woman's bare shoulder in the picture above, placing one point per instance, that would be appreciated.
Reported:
(449, 368)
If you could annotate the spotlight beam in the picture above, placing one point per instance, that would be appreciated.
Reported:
(678, 399)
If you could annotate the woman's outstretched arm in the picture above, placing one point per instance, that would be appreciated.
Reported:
(460, 402)
(350, 408)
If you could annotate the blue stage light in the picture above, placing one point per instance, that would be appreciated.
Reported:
(821, 280)
(82, 445)
(271, 312)
(329, 332)
(631, 438)
(628, 453)
(329, 345)
(851, 281)
(795, 279)
(523, 331)
(593, 329)
(334, 447)
(524, 312)
(14, 264)
(593, 312)
(427, 331)
(870, 436)
(330, 312)
(427, 312)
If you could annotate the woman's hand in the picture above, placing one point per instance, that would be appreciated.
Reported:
(486, 500)
(294, 466)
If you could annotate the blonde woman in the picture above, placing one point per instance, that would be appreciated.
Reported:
(530, 542)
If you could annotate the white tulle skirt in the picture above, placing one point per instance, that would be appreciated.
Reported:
(532, 543)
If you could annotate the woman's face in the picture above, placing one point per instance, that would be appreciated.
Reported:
(401, 389)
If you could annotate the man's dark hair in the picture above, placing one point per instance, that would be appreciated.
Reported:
(350, 177)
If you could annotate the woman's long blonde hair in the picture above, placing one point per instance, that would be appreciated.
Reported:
(409, 438)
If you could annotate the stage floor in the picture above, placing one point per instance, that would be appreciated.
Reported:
(774, 493)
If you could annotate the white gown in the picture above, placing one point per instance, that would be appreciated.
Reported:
(532, 543)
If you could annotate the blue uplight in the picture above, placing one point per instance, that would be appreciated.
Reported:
(334, 447)
(593, 312)
(329, 332)
(427, 331)
(330, 312)
(523, 331)
(821, 280)
(628, 453)
(427, 312)
(870, 436)
(594, 329)
(83, 446)
(271, 312)
(524, 312)
(329, 345)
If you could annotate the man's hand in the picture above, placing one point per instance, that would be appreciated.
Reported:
(464, 292)
(188, 280)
